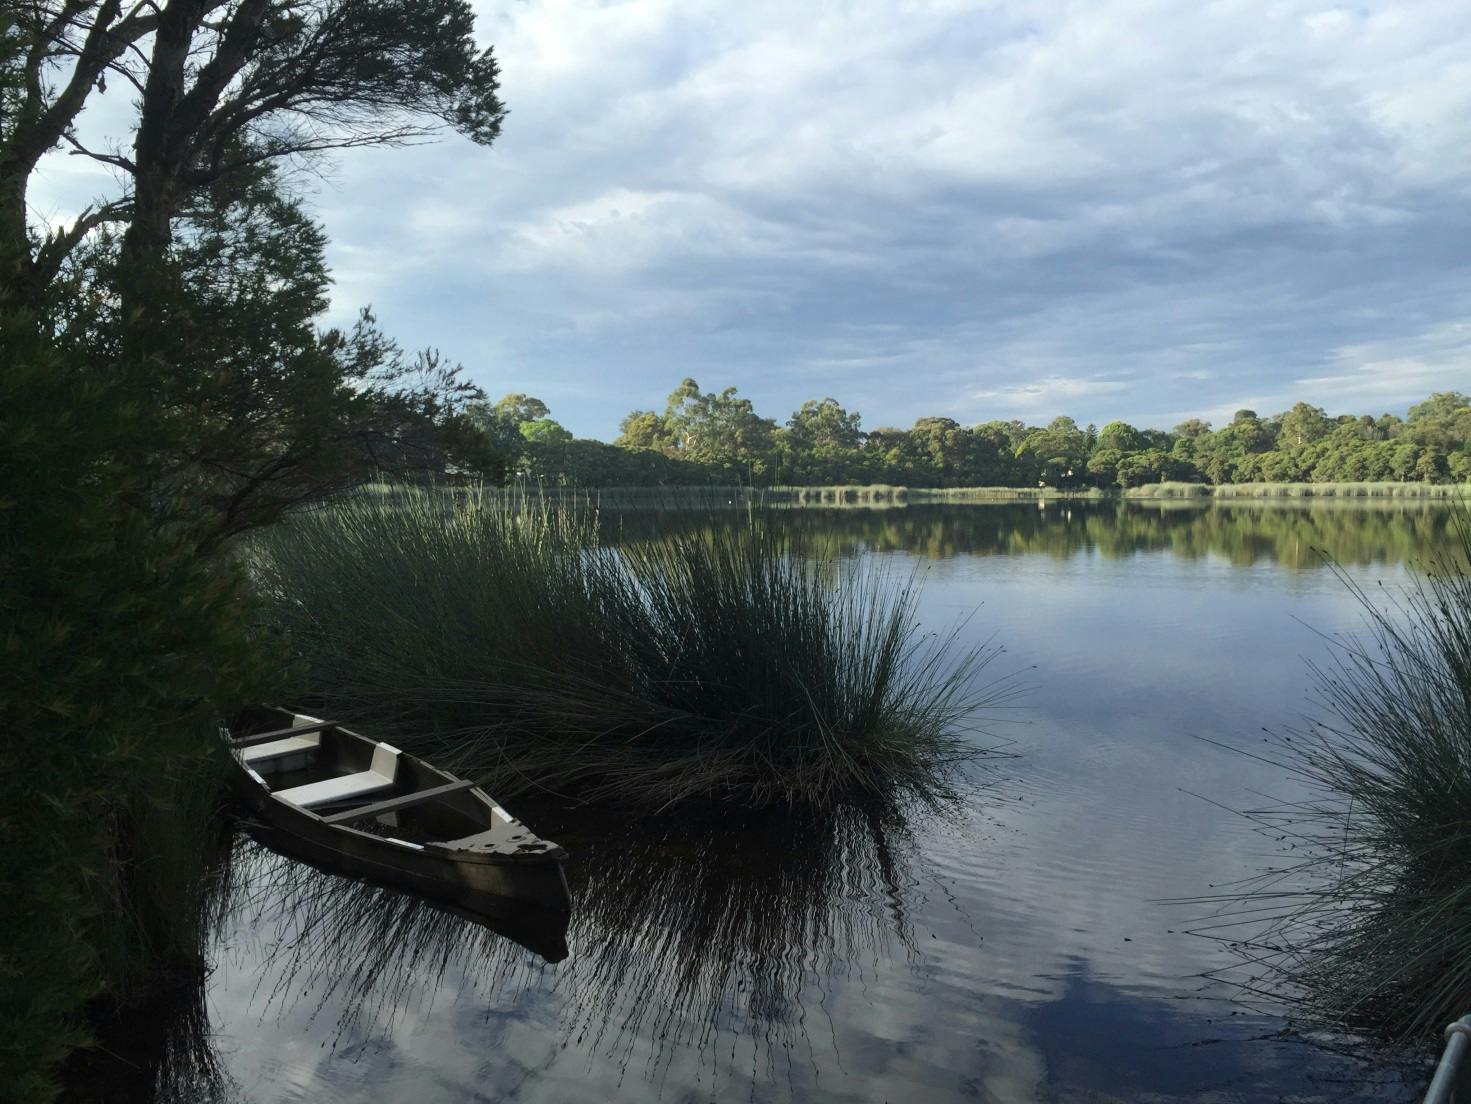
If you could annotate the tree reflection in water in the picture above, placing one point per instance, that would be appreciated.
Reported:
(1288, 533)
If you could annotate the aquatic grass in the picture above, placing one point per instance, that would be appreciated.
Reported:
(436, 587)
(879, 494)
(1416, 490)
(1370, 926)
(1169, 489)
(507, 638)
(1442, 491)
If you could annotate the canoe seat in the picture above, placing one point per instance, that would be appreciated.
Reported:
(276, 749)
(347, 787)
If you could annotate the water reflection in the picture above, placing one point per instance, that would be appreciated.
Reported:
(1286, 534)
(1144, 1047)
(692, 939)
(885, 954)
(371, 955)
(162, 1052)
(699, 928)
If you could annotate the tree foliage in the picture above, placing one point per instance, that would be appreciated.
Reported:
(121, 648)
(165, 386)
(221, 86)
(822, 444)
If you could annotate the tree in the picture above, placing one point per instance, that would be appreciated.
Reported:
(220, 87)
(1249, 432)
(163, 386)
(1302, 425)
(1192, 429)
(203, 266)
(545, 431)
(941, 442)
(1061, 451)
(824, 427)
(1443, 421)
(518, 409)
(1103, 466)
(1139, 468)
(122, 648)
(645, 429)
(1121, 436)
(716, 428)
(268, 411)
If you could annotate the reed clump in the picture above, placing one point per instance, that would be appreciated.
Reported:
(507, 639)
(1370, 928)
(1169, 489)
(1365, 489)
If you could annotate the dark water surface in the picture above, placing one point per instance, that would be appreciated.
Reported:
(1017, 949)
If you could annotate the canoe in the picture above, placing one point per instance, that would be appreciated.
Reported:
(363, 807)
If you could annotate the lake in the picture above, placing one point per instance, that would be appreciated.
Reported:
(1027, 945)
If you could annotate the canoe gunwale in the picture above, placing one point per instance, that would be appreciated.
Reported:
(537, 867)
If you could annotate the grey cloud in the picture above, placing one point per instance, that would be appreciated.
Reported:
(1194, 205)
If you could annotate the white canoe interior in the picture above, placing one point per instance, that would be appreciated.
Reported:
(346, 779)
(379, 778)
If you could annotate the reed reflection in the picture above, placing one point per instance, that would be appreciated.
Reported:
(368, 955)
(696, 928)
(709, 942)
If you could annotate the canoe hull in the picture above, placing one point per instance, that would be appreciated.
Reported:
(465, 882)
(504, 868)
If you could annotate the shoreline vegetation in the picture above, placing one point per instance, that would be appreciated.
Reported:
(168, 384)
(719, 664)
(1366, 926)
(717, 496)
(1345, 490)
(717, 439)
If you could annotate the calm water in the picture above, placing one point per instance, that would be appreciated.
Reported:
(1021, 949)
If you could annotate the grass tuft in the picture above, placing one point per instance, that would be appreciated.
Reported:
(505, 638)
(1370, 928)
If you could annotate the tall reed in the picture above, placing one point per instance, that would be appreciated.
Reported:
(506, 638)
(1370, 926)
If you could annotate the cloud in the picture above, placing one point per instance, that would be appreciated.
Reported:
(1401, 372)
(1051, 392)
(937, 209)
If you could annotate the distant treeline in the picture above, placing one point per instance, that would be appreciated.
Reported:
(718, 438)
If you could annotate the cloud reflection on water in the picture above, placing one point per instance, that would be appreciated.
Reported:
(712, 942)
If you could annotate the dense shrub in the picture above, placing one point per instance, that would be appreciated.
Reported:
(119, 647)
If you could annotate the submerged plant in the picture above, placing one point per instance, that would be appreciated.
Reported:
(1371, 928)
(726, 662)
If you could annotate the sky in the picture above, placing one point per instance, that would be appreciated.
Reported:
(1108, 209)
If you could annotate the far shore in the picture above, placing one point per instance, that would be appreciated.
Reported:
(887, 495)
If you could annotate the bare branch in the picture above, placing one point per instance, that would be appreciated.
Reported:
(79, 150)
(58, 245)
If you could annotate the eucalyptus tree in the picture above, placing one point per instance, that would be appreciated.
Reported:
(206, 275)
(1442, 421)
(1121, 436)
(218, 86)
(716, 427)
(824, 426)
(1302, 425)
